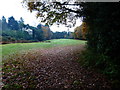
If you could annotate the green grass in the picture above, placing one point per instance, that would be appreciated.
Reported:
(18, 47)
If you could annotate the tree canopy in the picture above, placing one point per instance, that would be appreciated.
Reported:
(12, 23)
(4, 23)
(56, 12)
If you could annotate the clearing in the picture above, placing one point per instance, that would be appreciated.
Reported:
(49, 68)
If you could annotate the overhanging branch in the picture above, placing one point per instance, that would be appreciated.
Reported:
(70, 10)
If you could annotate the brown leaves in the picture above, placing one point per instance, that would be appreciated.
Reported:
(51, 68)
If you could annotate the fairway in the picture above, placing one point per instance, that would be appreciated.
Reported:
(19, 47)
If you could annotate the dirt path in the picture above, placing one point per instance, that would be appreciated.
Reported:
(57, 68)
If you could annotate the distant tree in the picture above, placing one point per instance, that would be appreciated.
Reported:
(39, 26)
(21, 23)
(39, 32)
(71, 35)
(49, 32)
(39, 35)
(64, 34)
(4, 23)
(80, 31)
(12, 23)
(84, 30)
(26, 35)
(0, 24)
(46, 32)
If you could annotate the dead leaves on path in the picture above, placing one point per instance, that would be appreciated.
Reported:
(51, 68)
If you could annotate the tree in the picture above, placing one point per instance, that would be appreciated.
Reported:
(39, 33)
(80, 31)
(46, 32)
(59, 12)
(0, 24)
(84, 30)
(4, 23)
(21, 23)
(12, 23)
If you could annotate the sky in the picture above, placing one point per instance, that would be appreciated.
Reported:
(14, 8)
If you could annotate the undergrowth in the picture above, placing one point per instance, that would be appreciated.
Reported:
(102, 64)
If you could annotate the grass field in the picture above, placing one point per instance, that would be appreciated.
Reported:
(18, 47)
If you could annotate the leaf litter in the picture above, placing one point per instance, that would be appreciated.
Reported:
(51, 68)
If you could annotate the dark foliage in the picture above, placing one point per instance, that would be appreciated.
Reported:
(103, 37)
(12, 23)
(17, 35)
(58, 35)
(3, 23)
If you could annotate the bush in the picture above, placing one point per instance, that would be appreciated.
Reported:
(17, 35)
(102, 64)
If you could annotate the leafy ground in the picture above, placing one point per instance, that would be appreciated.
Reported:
(49, 68)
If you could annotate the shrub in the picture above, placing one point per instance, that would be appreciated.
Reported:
(102, 64)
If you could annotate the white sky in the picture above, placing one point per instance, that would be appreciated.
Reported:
(14, 8)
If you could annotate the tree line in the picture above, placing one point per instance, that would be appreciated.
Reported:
(14, 30)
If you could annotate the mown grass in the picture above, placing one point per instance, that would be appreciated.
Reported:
(18, 47)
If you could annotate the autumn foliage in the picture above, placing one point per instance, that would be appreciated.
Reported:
(46, 32)
(80, 31)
